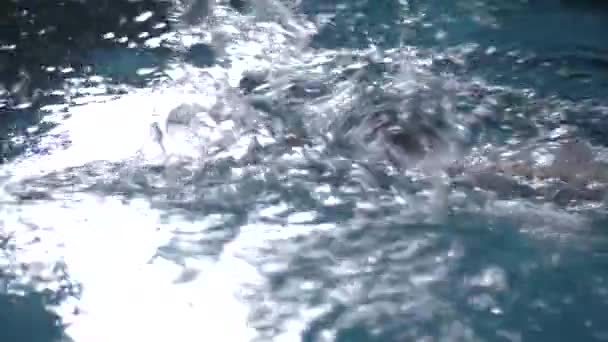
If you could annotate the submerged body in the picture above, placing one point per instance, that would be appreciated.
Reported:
(572, 177)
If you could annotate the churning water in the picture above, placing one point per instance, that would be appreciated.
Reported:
(274, 170)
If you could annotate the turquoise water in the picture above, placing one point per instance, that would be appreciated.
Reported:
(304, 171)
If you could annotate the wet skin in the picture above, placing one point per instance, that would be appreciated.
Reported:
(574, 176)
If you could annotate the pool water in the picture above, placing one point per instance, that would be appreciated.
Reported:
(277, 170)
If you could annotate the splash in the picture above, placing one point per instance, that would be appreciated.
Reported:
(295, 192)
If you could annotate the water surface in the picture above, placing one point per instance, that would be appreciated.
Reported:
(304, 171)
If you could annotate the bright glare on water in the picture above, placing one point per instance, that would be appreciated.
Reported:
(308, 171)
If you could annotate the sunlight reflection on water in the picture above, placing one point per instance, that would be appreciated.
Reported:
(315, 209)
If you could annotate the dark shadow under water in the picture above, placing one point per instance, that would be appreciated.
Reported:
(24, 319)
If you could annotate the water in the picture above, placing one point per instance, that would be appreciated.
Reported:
(303, 171)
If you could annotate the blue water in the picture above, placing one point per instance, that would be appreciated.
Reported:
(513, 258)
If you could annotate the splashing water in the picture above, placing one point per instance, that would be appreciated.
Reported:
(265, 187)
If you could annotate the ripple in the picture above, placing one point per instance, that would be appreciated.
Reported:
(380, 192)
